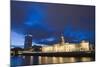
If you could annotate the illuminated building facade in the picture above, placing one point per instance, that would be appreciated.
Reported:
(84, 46)
(66, 47)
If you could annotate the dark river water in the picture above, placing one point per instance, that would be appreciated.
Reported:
(36, 60)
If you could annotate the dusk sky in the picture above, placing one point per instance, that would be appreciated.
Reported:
(46, 22)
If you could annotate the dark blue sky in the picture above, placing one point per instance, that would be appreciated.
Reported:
(46, 22)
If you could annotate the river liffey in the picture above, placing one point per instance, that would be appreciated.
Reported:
(39, 60)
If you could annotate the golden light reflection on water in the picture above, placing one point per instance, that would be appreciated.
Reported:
(54, 60)
(60, 60)
(31, 59)
(57, 60)
(84, 59)
(69, 59)
(40, 60)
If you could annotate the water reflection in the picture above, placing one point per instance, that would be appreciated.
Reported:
(17, 61)
(27, 60)
(69, 59)
(35, 60)
(84, 59)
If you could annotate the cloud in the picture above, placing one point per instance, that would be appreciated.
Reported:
(17, 39)
(46, 22)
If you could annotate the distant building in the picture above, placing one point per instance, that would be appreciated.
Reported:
(16, 51)
(66, 47)
(36, 48)
(28, 41)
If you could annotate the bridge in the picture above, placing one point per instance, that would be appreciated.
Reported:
(66, 54)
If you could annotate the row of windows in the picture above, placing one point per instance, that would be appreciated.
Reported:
(63, 48)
